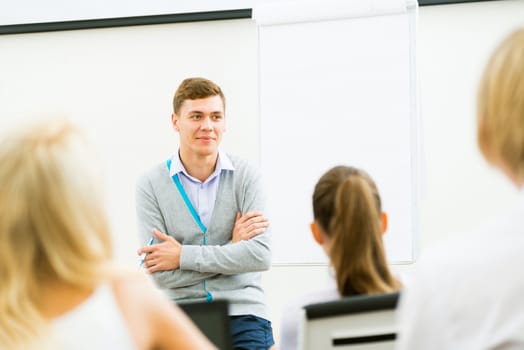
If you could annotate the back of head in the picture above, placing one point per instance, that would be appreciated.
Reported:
(500, 106)
(196, 88)
(347, 206)
(52, 223)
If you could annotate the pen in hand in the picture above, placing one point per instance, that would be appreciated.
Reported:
(143, 256)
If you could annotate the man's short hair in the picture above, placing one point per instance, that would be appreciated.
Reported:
(196, 88)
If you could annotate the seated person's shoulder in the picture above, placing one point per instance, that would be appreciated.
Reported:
(133, 285)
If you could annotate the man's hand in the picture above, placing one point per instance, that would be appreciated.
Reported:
(248, 226)
(162, 256)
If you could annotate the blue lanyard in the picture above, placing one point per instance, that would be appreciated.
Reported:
(209, 296)
(187, 201)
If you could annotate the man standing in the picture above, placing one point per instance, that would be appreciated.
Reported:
(204, 209)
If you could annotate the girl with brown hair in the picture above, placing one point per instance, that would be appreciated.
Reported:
(348, 224)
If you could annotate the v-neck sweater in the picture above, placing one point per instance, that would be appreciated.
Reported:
(221, 268)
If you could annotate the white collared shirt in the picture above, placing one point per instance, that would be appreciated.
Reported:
(201, 194)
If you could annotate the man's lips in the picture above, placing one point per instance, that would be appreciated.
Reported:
(205, 138)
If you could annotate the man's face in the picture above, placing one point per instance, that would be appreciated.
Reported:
(200, 124)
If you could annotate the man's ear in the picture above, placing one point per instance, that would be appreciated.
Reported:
(174, 121)
(383, 222)
(317, 234)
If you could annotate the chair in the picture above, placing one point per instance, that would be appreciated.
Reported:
(213, 320)
(358, 323)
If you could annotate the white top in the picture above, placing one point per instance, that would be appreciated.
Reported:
(97, 323)
(293, 314)
(469, 294)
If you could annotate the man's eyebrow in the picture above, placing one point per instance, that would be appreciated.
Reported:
(196, 111)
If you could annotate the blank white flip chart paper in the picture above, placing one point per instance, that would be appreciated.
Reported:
(337, 87)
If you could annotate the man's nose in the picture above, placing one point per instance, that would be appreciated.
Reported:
(206, 124)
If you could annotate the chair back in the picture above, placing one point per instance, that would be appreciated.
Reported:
(362, 322)
(213, 320)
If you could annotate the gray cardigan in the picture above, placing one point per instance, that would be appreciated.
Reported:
(226, 270)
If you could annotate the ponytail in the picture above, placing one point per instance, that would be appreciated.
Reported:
(349, 209)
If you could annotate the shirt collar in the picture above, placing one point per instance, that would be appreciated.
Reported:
(223, 163)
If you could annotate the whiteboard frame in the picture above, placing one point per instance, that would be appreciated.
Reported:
(125, 21)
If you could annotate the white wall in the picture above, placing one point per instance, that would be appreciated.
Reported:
(118, 82)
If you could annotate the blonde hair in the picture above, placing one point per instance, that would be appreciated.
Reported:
(500, 105)
(53, 226)
(347, 207)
